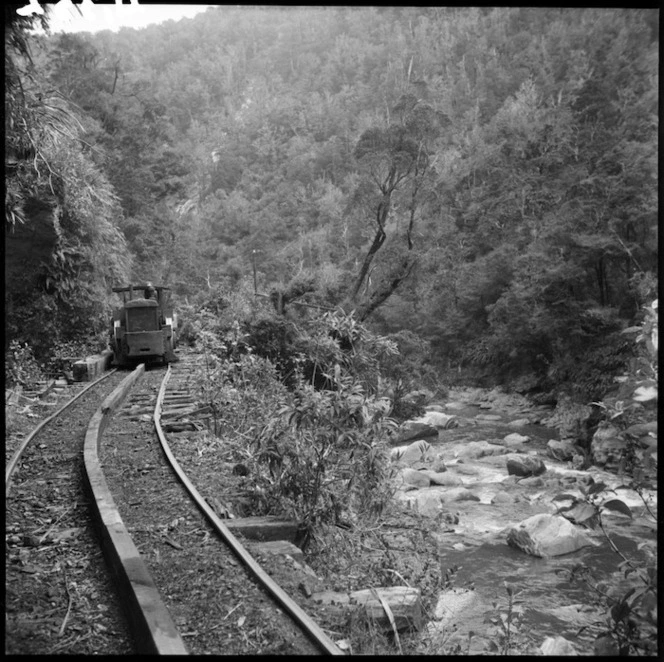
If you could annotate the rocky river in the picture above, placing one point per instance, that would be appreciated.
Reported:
(483, 466)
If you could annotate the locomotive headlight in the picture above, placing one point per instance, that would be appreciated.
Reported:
(169, 321)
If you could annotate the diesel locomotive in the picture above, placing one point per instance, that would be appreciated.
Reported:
(144, 327)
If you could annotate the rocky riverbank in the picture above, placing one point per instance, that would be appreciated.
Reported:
(491, 477)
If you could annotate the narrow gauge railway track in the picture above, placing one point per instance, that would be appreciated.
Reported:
(211, 590)
(59, 597)
(79, 389)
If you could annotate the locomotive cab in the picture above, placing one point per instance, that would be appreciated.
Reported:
(144, 327)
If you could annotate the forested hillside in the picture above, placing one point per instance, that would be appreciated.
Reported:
(484, 178)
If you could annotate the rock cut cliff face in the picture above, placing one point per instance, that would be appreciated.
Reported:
(29, 244)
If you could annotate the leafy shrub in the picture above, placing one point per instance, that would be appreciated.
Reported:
(273, 338)
(322, 459)
(62, 354)
(590, 374)
(21, 367)
(630, 625)
(631, 619)
(316, 454)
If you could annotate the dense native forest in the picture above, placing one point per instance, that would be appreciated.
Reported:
(478, 183)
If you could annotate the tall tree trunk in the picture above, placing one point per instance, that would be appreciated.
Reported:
(379, 238)
(378, 241)
(386, 288)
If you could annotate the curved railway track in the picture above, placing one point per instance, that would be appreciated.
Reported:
(177, 562)
(59, 597)
(82, 389)
(191, 585)
(182, 582)
(311, 630)
(177, 583)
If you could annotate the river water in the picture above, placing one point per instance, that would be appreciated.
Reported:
(478, 560)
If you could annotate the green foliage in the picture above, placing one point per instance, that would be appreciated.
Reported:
(64, 296)
(487, 203)
(636, 398)
(273, 338)
(318, 455)
(35, 116)
(589, 374)
(506, 623)
(339, 339)
(21, 367)
(323, 459)
(630, 626)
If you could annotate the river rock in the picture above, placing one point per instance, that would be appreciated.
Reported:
(452, 604)
(413, 478)
(456, 406)
(488, 418)
(416, 453)
(557, 646)
(428, 502)
(441, 478)
(466, 469)
(519, 423)
(532, 481)
(525, 466)
(435, 407)
(547, 535)
(437, 464)
(437, 419)
(478, 449)
(562, 451)
(502, 497)
(411, 431)
(404, 602)
(515, 439)
(446, 479)
(607, 445)
(458, 494)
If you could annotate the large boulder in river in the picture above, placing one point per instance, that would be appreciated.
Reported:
(525, 466)
(547, 535)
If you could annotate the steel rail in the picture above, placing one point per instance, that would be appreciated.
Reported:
(11, 467)
(154, 629)
(309, 626)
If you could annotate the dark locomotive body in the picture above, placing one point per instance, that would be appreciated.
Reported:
(145, 327)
